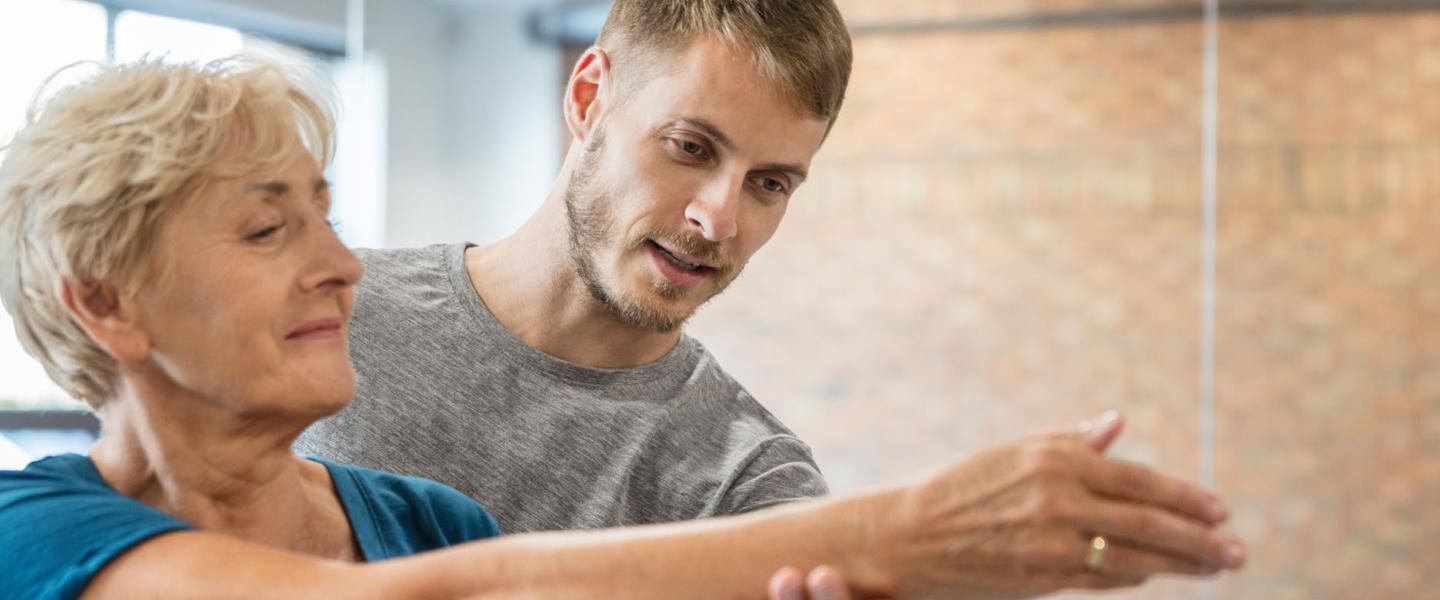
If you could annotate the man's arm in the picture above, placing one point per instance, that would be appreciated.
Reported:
(1012, 521)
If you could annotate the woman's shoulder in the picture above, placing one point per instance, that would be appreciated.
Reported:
(408, 514)
(46, 474)
(62, 524)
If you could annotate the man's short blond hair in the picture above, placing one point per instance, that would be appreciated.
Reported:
(802, 45)
(86, 183)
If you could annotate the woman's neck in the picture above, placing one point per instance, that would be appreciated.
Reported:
(219, 471)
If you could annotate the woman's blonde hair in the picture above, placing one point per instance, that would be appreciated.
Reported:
(87, 182)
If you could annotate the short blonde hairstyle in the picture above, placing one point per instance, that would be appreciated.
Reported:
(802, 45)
(86, 183)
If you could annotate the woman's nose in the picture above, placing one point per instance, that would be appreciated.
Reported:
(334, 264)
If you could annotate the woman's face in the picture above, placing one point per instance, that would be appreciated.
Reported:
(250, 308)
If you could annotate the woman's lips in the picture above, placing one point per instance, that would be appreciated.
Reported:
(317, 329)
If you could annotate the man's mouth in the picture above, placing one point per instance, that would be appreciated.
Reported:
(675, 259)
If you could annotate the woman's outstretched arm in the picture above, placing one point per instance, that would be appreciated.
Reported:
(730, 557)
(1010, 521)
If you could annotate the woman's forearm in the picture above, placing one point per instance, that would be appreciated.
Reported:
(729, 557)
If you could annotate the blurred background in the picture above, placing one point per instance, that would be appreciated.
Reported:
(1216, 218)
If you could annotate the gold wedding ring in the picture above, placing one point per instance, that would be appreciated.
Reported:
(1096, 558)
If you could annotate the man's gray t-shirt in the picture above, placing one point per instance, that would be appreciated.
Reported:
(447, 393)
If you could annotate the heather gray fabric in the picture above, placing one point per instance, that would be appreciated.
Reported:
(446, 392)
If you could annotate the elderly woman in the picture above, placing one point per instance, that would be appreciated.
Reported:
(165, 254)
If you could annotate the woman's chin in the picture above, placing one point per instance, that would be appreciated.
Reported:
(325, 393)
(337, 396)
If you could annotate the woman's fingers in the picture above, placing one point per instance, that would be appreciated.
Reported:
(1139, 483)
(1149, 526)
(1123, 560)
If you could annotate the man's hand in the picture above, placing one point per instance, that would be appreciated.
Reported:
(1018, 520)
(823, 583)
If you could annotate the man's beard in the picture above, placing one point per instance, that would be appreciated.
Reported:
(592, 225)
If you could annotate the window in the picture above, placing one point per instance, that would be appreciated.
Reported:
(140, 34)
(50, 34)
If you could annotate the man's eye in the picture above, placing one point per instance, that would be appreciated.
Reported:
(773, 186)
(691, 148)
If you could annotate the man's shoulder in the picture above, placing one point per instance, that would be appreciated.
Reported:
(391, 263)
(760, 461)
(406, 281)
(715, 390)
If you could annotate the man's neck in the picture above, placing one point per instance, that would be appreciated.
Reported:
(528, 281)
(219, 472)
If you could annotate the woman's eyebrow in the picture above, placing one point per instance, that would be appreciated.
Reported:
(275, 187)
(281, 188)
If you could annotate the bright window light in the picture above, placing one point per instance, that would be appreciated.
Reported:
(139, 34)
(49, 34)
(23, 382)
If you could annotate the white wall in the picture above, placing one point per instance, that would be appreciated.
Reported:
(507, 99)
(474, 119)
(413, 40)
(472, 108)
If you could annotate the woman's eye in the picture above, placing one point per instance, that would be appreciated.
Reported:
(265, 233)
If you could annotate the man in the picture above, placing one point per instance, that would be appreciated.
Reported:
(548, 376)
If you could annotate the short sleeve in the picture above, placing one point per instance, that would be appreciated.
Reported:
(780, 469)
(463, 519)
(395, 516)
(58, 531)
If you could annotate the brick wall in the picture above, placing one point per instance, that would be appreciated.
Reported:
(1004, 234)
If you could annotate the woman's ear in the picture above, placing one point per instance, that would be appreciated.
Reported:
(587, 92)
(106, 316)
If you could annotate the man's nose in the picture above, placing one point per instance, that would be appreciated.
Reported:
(713, 210)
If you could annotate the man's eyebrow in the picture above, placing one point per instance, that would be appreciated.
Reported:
(795, 170)
(709, 129)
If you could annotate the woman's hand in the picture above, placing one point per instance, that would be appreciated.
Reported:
(1018, 520)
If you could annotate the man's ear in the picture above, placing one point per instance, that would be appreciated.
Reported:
(107, 317)
(585, 95)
